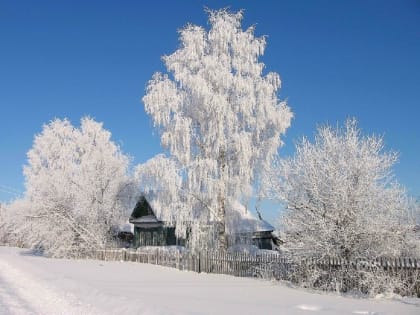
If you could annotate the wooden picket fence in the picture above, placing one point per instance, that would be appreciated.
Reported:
(264, 265)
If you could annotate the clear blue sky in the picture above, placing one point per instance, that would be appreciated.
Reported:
(336, 59)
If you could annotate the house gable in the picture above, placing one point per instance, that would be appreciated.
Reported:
(142, 209)
(148, 229)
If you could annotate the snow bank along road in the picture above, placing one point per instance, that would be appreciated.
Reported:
(37, 285)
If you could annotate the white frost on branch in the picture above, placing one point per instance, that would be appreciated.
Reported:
(78, 187)
(218, 114)
(342, 199)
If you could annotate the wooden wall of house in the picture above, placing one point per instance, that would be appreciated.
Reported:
(263, 240)
(158, 236)
(263, 243)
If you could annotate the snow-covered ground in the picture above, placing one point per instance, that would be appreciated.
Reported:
(37, 285)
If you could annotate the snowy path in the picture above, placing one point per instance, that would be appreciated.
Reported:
(36, 285)
(21, 294)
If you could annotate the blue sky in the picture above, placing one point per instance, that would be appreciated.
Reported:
(336, 59)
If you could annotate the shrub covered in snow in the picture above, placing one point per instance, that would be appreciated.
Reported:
(342, 201)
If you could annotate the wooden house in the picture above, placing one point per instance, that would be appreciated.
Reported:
(245, 229)
(149, 230)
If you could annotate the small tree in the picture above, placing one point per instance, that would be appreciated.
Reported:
(77, 185)
(219, 115)
(342, 200)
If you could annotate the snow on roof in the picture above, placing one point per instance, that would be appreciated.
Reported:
(240, 220)
(145, 219)
(127, 227)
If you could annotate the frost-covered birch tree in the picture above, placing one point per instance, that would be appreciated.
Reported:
(219, 115)
(77, 185)
(342, 199)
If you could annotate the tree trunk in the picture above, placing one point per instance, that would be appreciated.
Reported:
(221, 229)
(222, 239)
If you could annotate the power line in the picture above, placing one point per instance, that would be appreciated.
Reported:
(10, 190)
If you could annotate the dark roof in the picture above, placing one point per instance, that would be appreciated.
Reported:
(142, 209)
(143, 215)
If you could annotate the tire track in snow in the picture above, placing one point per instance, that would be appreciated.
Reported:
(21, 294)
(10, 302)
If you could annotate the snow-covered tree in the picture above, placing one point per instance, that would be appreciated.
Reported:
(77, 185)
(342, 200)
(13, 222)
(219, 115)
(4, 225)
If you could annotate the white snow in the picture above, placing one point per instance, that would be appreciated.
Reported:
(127, 227)
(306, 307)
(37, 285)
